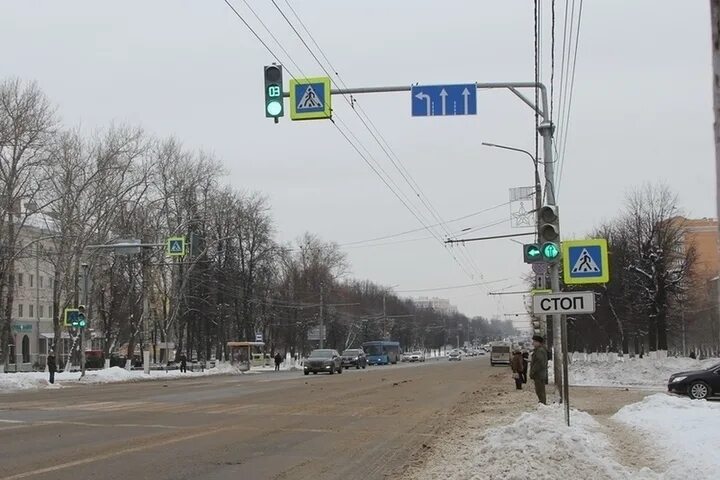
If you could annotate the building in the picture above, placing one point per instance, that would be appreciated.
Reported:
(702, 235)
(441, 305)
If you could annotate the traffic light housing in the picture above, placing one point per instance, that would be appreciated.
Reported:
(274, 92)
(81, 320)
(549, 233)
(532, 253)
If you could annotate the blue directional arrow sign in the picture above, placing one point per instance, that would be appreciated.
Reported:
(444, 100)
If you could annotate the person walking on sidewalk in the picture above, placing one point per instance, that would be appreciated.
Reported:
(525, 362)
(183, 364)
(538, 368)
(278, 361)
(517, 368)
(52, 366)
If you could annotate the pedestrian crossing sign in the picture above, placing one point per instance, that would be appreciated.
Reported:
(310, 98)
(176, 246)
(585, 261)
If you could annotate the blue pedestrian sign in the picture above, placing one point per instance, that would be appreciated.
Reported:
(444, 100)
(310, 98)
(585, 261)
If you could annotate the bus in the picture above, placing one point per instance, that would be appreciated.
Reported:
(382, 352)
(500, 353)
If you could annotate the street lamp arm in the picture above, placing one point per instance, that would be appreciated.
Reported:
(505, 147)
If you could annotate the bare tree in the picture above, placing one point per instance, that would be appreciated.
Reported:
(27, 123)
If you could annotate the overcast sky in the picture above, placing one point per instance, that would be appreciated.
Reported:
(641, 112)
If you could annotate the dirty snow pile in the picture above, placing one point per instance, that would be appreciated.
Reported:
(537, 445)
(36, 380)
(687, 432)
(645, 371)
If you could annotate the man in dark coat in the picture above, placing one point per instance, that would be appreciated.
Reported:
(52, 366)
(517, 368)
(538, 367)
(278, 361)
(183, 364)
(526, 362)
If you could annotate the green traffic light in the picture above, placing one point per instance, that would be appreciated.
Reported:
(274, 108)
(533, 251)
(550, 251)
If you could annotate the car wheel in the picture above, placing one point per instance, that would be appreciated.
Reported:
(307, 373)
(699, 390)
(340, 369)
(332, 371)
(314, 373)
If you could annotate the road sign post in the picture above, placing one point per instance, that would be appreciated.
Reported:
(586, 261)
(310, 98)
(443, 100)
(567, 303)
(175, 246)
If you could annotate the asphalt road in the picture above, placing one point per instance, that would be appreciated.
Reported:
(363, 424)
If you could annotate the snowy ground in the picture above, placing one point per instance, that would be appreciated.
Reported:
(10, 382)
(623, 372)
(538, 445)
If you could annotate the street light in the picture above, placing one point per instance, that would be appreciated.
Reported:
(538, 190)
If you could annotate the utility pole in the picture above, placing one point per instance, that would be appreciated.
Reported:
(322, 326)
(384, 319)
(86, 269)
(715, 28)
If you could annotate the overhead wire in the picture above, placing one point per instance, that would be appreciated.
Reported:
(383, 144)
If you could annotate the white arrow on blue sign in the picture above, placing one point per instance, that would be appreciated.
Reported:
(444, 100)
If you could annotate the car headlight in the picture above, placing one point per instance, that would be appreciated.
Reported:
(678, 379)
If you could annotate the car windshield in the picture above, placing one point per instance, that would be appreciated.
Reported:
(321, 354)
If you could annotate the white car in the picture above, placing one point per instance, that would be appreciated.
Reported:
(413, 357)
(455, 355)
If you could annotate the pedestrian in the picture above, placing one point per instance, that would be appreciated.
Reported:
(517, 368)
(525, 362)
(183, 364)
(52, 366)
(278, 361)
(692, 355)
(538, 367)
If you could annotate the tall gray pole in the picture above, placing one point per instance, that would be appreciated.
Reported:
(86, 268)
(715, 28)
(322, 326)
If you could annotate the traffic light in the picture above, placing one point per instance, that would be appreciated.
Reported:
(549, 233)
(532, 253)
(81, 320)
(273, 92)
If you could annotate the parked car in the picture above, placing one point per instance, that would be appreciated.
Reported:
(697, 384)
(354, 358)
(455, 355)
(324, 360)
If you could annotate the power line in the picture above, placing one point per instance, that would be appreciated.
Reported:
(403, 171)
(454, 287)
(415, 230)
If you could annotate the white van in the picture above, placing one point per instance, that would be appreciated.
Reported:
(500, 353)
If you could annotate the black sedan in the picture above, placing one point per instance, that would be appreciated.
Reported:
(698, 384)
(354, 358)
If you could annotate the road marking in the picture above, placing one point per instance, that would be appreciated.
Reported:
(11, 421)
(116, 453)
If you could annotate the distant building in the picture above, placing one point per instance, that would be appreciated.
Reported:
(441, 305)
(702, 235)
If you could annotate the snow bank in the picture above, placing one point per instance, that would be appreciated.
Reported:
(37, 380)
(687, 430)
(632, 371)
(537, 445)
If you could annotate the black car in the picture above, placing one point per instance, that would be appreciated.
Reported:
(325, 360)
(698, 384)
(354, 358)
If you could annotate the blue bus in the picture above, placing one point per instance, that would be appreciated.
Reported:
(382, 352)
